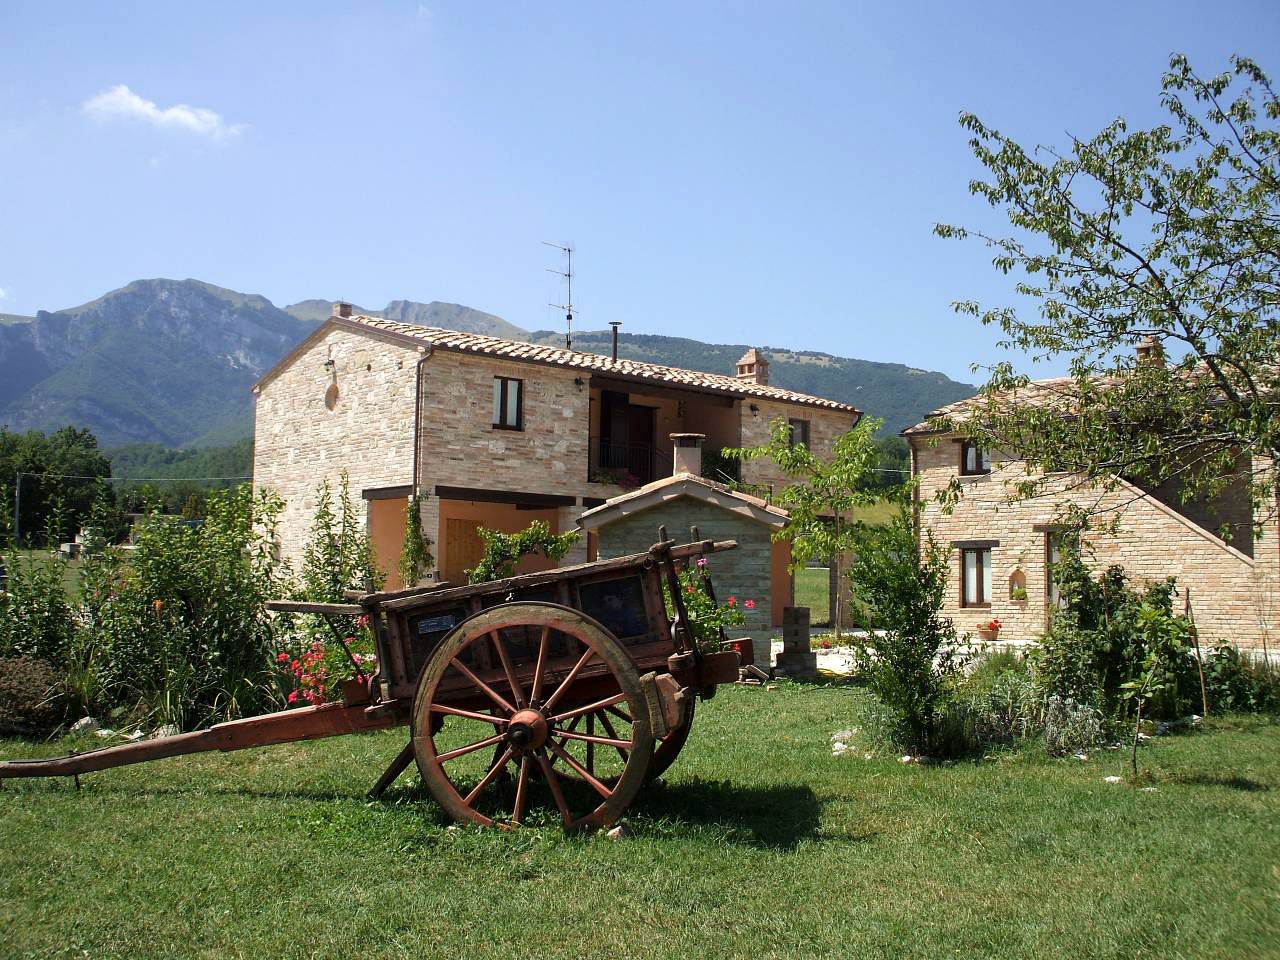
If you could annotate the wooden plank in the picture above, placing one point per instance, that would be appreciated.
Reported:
(302, 606)
(518, 497)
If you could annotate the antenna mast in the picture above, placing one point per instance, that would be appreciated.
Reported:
(567, 274)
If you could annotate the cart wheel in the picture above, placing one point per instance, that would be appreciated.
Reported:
(543, 673)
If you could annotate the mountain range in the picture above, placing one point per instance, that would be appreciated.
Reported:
(171, 362)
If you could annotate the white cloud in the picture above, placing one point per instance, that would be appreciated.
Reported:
(119, 103)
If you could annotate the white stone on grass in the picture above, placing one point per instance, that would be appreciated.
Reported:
(84, 725)
(1113, 779)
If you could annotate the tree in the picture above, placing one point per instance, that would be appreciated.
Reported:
(822, 496)
(899, 576)
(1170, 233)
(60, 470)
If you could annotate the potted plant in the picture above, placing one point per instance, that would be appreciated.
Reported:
(1018, 594)
(989, 629)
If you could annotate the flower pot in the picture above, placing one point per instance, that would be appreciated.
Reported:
(986, 633)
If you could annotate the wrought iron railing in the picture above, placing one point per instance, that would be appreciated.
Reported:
(622, 463)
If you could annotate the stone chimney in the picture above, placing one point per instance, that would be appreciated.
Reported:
(688, 449)
(1150, 350)
(341, 309)
(753, 367)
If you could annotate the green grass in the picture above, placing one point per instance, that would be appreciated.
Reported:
(761, 845)
(813, 590)
(70, 571)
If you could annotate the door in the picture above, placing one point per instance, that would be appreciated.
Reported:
(640, 429)
(463, 549)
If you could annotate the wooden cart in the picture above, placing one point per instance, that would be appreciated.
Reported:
(559, 692)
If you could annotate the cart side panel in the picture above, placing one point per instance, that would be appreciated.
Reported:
(627, 602)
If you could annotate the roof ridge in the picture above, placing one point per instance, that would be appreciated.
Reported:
(467, 342)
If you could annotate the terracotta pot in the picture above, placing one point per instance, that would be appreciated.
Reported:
(986, 633)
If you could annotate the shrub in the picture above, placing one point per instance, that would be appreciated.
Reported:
(180, 633)
(1071, 727)
(1236, 682)
(1100, 642)
(36, 617)
(707, 617)
(909, 665)
(32, 696)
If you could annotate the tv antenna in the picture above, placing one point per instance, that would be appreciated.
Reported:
(567, 274)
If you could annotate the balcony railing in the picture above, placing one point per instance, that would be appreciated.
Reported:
(624, 464)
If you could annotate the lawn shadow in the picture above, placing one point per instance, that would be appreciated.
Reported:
(1214, 780)
(776, 817)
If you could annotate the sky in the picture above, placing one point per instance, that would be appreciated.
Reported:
(754, 173)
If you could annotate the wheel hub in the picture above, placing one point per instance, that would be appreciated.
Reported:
(527, 730)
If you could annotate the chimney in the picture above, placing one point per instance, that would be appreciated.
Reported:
(753, 367)
(341, 309)
(615, 324)
(1150, 350)
(688, 449)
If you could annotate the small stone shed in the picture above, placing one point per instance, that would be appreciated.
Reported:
(759, 570)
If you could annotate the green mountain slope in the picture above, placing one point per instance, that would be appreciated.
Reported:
(171, 362)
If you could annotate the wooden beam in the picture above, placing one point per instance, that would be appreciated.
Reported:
(532, 501)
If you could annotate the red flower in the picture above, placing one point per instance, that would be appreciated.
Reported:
(282, 658)
(732, 601)
(749, 604)
(293, 696)
(688, 589)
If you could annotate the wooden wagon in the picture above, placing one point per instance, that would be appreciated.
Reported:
(561, 692)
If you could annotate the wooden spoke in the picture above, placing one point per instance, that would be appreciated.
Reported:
(553, 783)
(580, 770)
(469, 748)
(620, 714)
(591, 739)
(469, 714)
(590, 708)
(489, 777)
(484, 687)
(591, 746)
(542, 662)
(522, 785)
(568, 680)
(516, 690)
(608, 728)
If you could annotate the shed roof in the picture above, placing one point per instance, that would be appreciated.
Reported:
(440, 339)
(670, 489)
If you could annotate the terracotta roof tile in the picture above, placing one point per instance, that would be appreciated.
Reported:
(556, 356)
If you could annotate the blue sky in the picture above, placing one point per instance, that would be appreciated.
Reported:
(763, 173)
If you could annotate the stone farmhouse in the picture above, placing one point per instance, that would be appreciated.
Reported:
(1003, 548)
(495, 433)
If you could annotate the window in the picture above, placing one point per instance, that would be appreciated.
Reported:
(974, 460)
(975, 577)
(799, 432)
(1056, 543)
(508, 404)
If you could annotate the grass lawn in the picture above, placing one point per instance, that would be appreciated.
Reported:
(761, 845)
(813, 590)
(70, 571)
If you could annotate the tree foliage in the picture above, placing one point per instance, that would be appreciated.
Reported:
(1171, 233)
(821, 495)
(60, 474)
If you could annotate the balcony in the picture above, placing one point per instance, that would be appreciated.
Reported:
(625, 465)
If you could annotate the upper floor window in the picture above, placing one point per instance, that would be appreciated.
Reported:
(799, 432)
(508, 403)
(974, 459)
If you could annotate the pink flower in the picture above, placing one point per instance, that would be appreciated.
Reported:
(282, 658)
(688, 589)
(749, 604)
(362, 621)
(293, 696)
(732, 601)
(702, 561)
(295, 666)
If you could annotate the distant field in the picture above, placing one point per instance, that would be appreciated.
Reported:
(70, 572)
(813, 590)
(879, 513)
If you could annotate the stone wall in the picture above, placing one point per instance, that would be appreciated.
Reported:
(743, 573)
(824, 427)
(304, 434)
(1234, 596)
